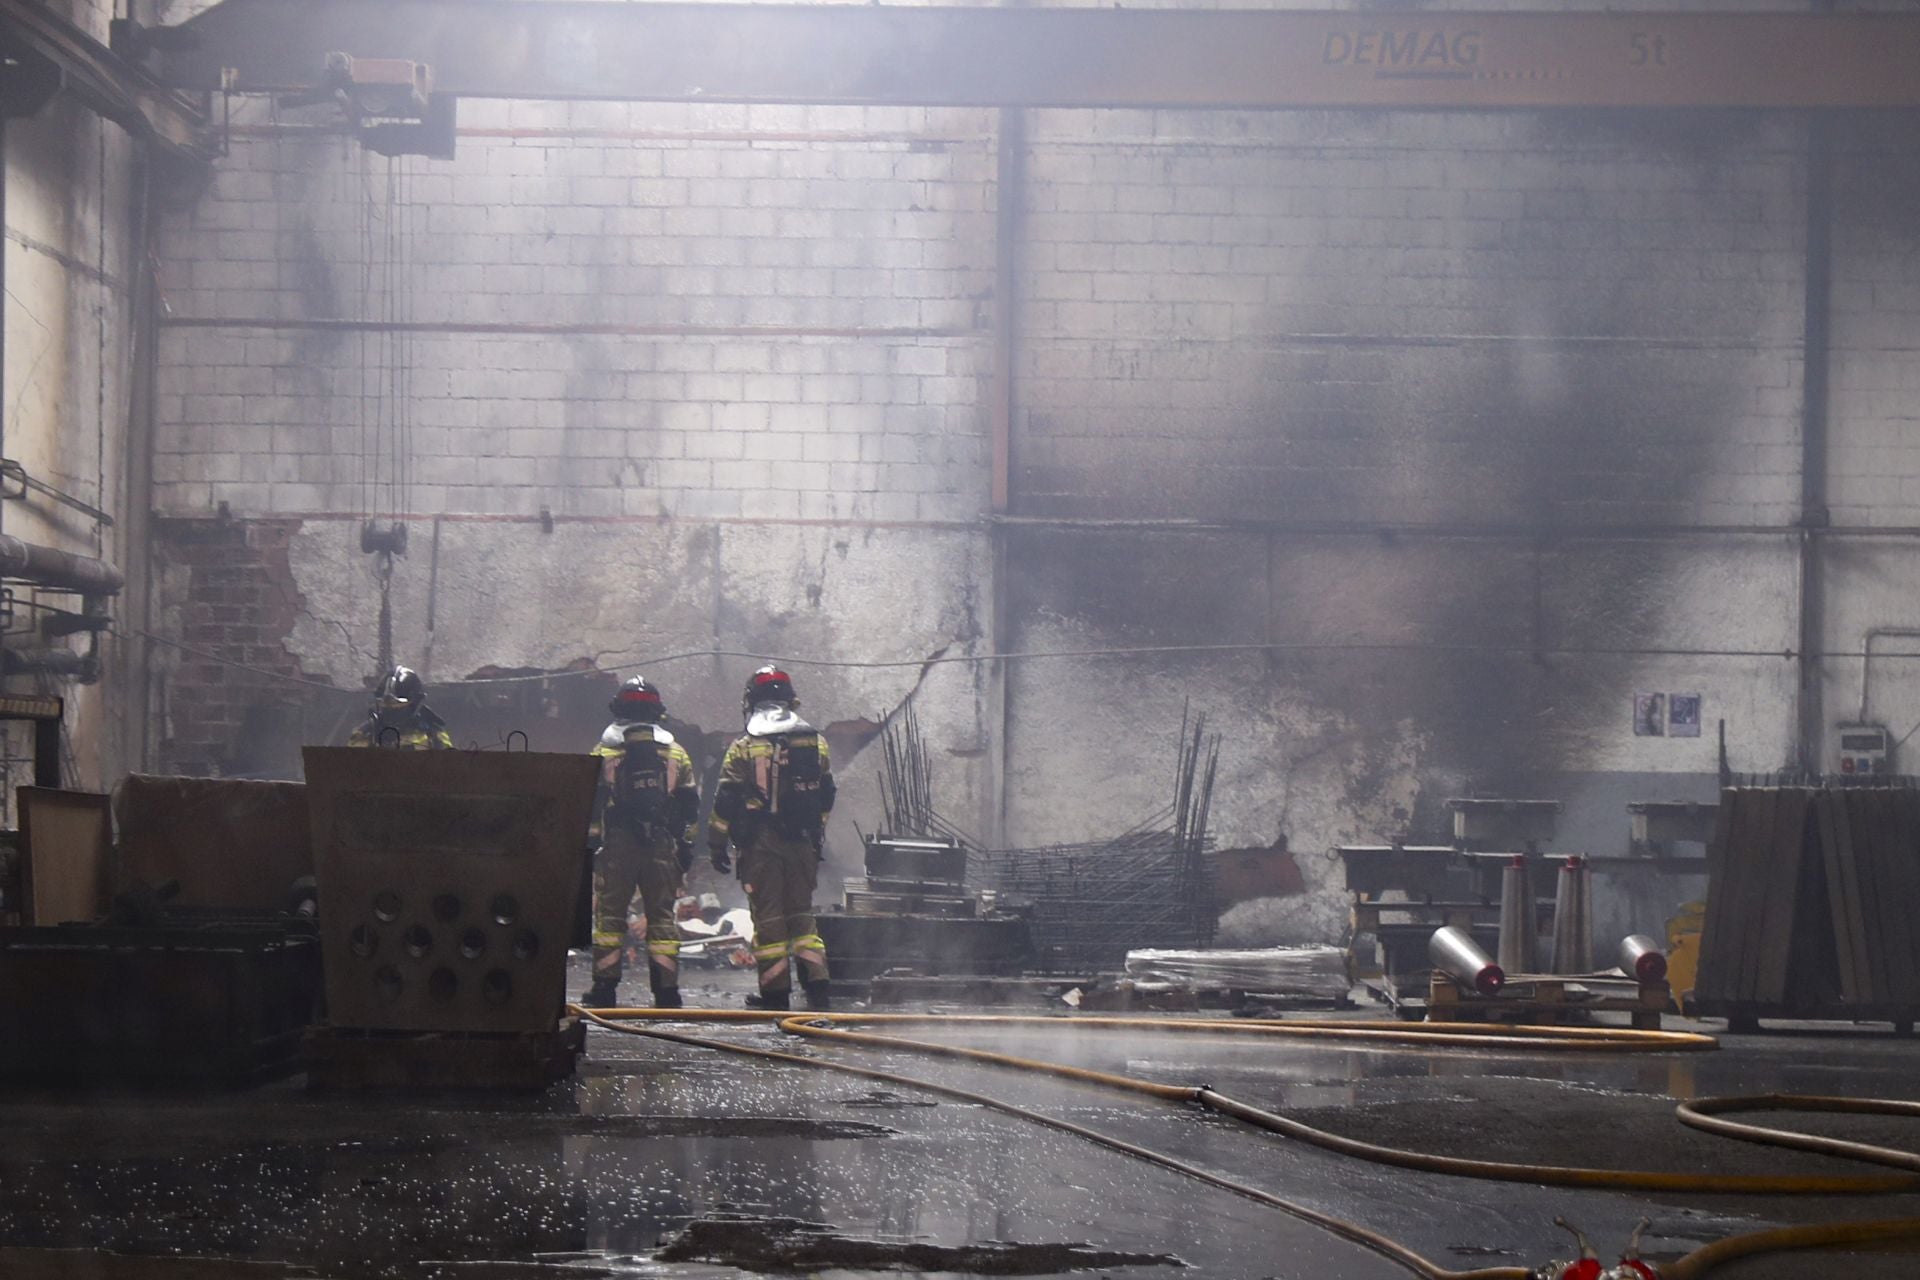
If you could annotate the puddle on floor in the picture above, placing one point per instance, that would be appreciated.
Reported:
(790, 1246)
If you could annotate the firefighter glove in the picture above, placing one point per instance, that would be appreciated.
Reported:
(685, 850)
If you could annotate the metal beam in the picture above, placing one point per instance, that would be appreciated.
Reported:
(107, 84)
(933, 56)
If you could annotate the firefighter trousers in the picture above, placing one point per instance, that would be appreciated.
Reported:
(627, 862)
(779, 875)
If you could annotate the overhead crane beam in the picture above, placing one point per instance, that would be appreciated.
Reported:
(107, 84)
(1037, 57)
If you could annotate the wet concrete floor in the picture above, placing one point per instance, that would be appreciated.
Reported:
(674, 1161)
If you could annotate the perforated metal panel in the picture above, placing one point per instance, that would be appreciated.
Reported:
(448, 881)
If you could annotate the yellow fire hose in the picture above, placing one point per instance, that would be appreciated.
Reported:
(1703, 1114)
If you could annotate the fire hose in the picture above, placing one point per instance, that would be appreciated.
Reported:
(1702, 1114)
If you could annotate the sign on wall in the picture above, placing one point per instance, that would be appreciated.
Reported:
(1683, 715)
(1649, 715)
(1666, 715)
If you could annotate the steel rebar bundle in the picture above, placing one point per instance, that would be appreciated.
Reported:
(906, 782)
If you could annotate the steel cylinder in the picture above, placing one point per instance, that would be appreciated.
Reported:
(1454, 952)
(1642, 959)
(1573, 919)
(1517, 923)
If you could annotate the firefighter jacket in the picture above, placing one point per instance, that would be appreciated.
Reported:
(421, 731)
(776, 775)
(679, 789)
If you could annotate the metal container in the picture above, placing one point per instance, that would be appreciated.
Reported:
(220, 1002)
(899, 858)
(1517, 924)
(1503, 825)
(1455, 953)
(1642, 959)
(864, 946)
(448, 882)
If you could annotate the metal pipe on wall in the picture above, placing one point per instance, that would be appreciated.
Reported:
(1866, 656)
(133, 667)
(1816, 364)
(54, 660)
(62, 570)
(1009, 194)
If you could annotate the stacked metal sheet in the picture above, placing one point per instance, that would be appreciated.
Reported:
(1319, 971)
(1812, 901)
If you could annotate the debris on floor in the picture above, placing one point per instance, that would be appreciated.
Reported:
(791, 1245)
(1317, 971)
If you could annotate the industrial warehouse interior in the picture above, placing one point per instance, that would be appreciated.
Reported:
(646, 638)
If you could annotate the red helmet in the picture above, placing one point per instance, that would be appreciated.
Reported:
(638, 701)
(768, 684)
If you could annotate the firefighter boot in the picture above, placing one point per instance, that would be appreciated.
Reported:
(772, 1001)
(819, 994)
(666, 994)
(603, 994)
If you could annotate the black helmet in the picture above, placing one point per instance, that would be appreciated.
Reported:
(401, 690)
(768, 684)
(638, 702)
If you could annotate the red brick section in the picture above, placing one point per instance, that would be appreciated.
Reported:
(238, 601)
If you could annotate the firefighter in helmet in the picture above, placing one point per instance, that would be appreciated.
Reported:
(776, 790)
(400, 716)
(648, 804)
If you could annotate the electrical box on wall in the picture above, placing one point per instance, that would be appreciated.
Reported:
(1865, 748)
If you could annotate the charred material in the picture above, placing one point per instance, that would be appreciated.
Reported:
(788, 1245)
(912, 911)
(221, 999)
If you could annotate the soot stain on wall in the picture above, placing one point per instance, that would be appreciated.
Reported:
(1547, 438)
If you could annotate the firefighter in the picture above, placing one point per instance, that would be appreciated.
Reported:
(649, 803)
(400, 717)
(776, 790)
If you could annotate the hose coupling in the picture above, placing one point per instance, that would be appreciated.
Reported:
(1588, 1266)
(1585, 1267)
(1631, 1266)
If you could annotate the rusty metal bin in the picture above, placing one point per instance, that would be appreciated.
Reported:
(216, 1003)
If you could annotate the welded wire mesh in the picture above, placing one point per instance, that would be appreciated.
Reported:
(1090, 902)
(1095, 901)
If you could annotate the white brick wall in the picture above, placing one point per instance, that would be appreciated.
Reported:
(622, 266)
(1874, 464)
(71, 256)
(1360, 316)
(1410, 318)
